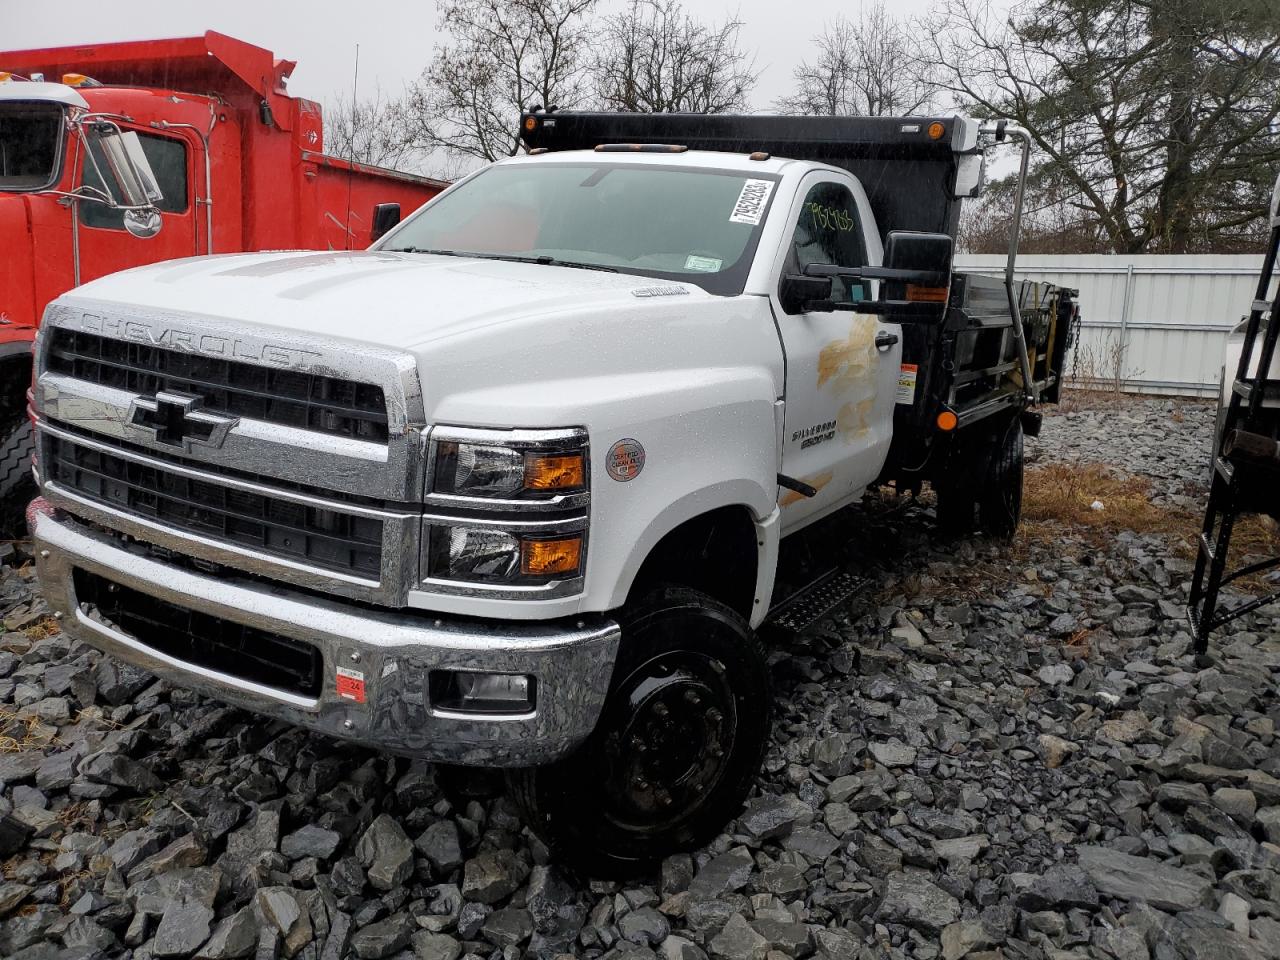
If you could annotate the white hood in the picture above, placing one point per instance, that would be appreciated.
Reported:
(396, 300)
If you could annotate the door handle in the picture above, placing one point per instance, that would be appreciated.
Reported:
(885, 340)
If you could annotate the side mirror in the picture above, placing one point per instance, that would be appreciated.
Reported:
(128, 172)
(919, 252)
(385, 216)
(797, 292)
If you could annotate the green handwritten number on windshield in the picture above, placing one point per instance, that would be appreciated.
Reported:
(831, 218)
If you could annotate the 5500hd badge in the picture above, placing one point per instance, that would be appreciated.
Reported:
(812, 436)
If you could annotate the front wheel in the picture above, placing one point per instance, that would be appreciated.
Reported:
(677, 746)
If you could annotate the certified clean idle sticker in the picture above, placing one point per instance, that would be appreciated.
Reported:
(350, 684)
(751, 202)
(625, 460)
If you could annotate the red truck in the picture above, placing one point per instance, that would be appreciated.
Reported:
(117, 155)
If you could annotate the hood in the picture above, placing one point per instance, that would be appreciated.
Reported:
(395, 300)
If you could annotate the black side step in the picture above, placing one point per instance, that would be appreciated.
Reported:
(812, 603)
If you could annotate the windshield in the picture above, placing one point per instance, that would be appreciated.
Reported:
(30, 145)
(678, 223)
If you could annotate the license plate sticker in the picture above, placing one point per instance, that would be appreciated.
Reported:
(350, 684)
(907, 383)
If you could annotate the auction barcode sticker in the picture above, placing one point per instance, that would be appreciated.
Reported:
(751, 202)
(907, 383)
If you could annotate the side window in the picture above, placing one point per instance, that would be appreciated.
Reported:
(168, 159)
(828, 231)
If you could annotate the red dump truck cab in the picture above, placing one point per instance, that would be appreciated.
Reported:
(240, 163)
(235, 164)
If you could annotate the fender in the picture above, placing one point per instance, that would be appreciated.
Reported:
(16, 340)
(747, 494)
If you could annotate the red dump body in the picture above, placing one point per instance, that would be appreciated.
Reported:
(241, 163)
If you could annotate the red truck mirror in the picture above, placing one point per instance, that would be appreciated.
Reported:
(127, 170)
(385, 217)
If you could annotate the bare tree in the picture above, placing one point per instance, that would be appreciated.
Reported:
(503, 56)
(864, 67)
(1151, 118)
(655, 58)
(376, 130)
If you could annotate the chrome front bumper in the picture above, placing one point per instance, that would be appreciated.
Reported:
(393, 652)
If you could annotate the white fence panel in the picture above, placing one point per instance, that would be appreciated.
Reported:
(1151, 324)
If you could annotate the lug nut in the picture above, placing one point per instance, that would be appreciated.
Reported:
(44, 554)
(691, 697)
(660, 709)
(355, 658)
(714, 715)
(640, 783)
(349, 724)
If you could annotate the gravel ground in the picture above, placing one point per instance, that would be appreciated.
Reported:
(995, 753)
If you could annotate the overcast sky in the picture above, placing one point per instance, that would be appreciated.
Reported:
(395, 38)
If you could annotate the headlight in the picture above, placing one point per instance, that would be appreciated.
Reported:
(508, 472)
(501, 556)
(506, 512)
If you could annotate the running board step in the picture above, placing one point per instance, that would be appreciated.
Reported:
(809, 605)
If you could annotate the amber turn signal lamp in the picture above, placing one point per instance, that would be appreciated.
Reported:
(543, 558)
(559, 472)
(947, 421)
(926, 294)
(936, 130)
(531, 123)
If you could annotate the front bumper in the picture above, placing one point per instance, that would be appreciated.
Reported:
(393, 651)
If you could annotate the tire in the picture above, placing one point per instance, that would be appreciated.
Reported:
(1000, 503)
(677, 747)
(17, 487)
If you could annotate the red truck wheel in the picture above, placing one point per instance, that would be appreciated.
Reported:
(16, 486)
(676, 749)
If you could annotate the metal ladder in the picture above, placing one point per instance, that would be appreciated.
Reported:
(1242, 455)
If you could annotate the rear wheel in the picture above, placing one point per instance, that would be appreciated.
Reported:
(1000, 503)
(16, 485)
(677, 746)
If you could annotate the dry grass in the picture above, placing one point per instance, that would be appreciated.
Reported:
(19, 734)
(44, 628)
(1062, 495)
(1058, 498)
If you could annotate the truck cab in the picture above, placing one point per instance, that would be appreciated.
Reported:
(527, 512)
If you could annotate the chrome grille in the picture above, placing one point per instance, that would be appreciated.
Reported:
(329, 539)
(310, 401)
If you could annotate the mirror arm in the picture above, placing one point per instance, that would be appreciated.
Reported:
(906, 311)
(925, 278)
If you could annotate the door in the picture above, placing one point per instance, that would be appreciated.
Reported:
(842, 367)
(105, 245)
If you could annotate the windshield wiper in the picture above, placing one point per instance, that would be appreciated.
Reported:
(510, 257)
(438, 253)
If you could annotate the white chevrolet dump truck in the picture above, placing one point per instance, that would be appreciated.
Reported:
(509, 488)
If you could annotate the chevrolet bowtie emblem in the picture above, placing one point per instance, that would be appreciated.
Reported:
(176, 420)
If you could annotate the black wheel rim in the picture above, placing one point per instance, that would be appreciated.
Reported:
(667, 741)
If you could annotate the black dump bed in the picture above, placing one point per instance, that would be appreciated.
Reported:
(916, 171)
(909, 176)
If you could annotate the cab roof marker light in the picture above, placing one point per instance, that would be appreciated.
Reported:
(79, 80)
(641, 148)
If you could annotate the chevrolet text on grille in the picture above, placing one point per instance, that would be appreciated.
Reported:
(190, 341)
